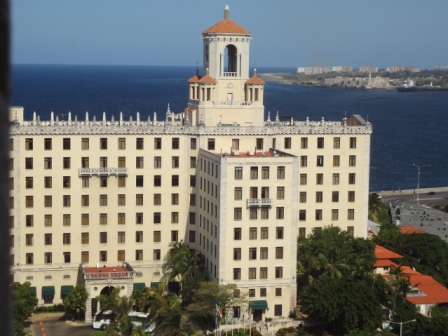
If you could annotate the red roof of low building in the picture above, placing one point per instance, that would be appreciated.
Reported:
(410, 229)
(226, 26)
(384, 253)
(385, 263)
(207, 79)
(432, 292)
(255, 80)
(104, 269)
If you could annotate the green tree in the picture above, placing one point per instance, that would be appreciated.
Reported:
(378, 211)
(121, 306)
(23, 303)
(75, 303)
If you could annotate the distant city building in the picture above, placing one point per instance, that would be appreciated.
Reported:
(99, 202)
(368, 69)
(444, 68)
(341, 68)
(323, 70)
(402, 68)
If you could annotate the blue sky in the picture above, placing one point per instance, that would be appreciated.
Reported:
(286, 33)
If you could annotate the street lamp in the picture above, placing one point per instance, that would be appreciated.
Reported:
(418, 177)
(401, 325)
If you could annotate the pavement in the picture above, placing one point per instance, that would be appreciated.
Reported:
(52, 324)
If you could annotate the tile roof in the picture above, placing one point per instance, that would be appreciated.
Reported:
(384, 263)
(207, 79)
(431, 292)
(194, 79)
(255, 80)
(410, 229)
(384, 253)
(104, 269)
(226, 26)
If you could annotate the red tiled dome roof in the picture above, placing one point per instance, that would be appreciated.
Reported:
(226, 26)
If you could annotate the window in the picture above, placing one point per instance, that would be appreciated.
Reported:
(302, 232)
(253, 173)
(157, 181)
(174, 235)
(85, 143)
(48, 220)
(66, 143)
(320, 161)
(29, 258)
(85, 200)
(47, 163)
(121, 181)
(29, 239)
(66, 220)
(66, 239)
(192, 199)
(48, 239)
(288, 143)
(28, 144)
(278, 292)
(336, 143)
(192, 143)
(157, 237)
(351, 196)
(175, 162)
(103, 200)
(174, 217)
(280, 193)
(156, 254)
(192, 161)
(352, 142)
(302, 197)
(121, 162)
(28, 183)
(252, 253)
(320, 142)
(139, 199)
(121, 255)
(192, 236)
(47, 144)
(192, 181)
(253, 213)
(84, 219)
(280, 213)
(279, 252)
(28, 163)
(334, 214)
(157, 143)
(351, 230)
(103, 162)
(103, 143)
(279, 233)
(11, 164)
(335, 179)
(237, 234)
(157, 199)
(157, 218)
(84, 238)
(303, 161)
(303, 179)
(351, 178)
(237, 274)
(139, 218)
(211, 144)
(278, 310)
(48, 257)
(121, 200)
(264, 253)
(304, 143)
(252, 273)
(351, 214)
(174, 180)
(84, 256)
(139, 236)
(318, 214)
(252, 233)
(264, 233)
(139, 181)
(302, 215)
(264, 213)
(192, 218)
(238, 173)
(335, 196)
(281, 173)
(84, 162)
(103, 255)
(279, 272)
(29, 219)
(103, 181)
(336, 160)
(236, 254)
(319, 197)
(48, 201)
(138, 254)
(103, 237)
(237, 214)
(175, 143)
(103, 218)
(66, 201)
(352, 160)
(157, 162)
(121, 218)
(238, 194)
(66, 181)
(259, 143)
(121, 143)
(139, 144)
(251, 292)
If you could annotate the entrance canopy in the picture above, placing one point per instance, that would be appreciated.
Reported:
(48, 290)
(258, 304)
(139, 285)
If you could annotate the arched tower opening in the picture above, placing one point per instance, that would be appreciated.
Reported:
(231, 60)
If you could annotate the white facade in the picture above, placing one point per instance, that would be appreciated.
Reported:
(117, 192)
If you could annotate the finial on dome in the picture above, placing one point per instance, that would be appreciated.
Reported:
(226, 11)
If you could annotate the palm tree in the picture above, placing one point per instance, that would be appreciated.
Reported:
(75, 302)
(121, 306)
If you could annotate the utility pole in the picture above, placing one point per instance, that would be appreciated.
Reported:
(418, 179)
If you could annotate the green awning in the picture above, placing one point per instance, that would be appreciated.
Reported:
(66, 290)
(33, 290)
(139, 285)
(258, 304)
(155, 285)
(47, 290)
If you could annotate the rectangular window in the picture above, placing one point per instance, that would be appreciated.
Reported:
(192, 161)
(336, 143)
(304, 143)
(174, 235)
(237, 214)
(85, 200)
(121, 255)
(253, 173)
(211, 144)
(85, 143)
(84, 219)
(157, 199)
(175, 162)
(303, 179)
(103, 237)
(29, 239)
(103, 162)
(265, 173)
(237, 274)
(236, 254)
(263, 253)
(139, 181)
(28, 163)
(121, 162)
(157, 237)
(192, 236)
(66, 143)
(29, 258)
(103, 256)
(238, 194)
(28, 183)
(252, 273)
(335, 178)
(281, 173)
(351, 178)
(174, 199)
(264, 213)
(352, 142)
(320, 142)
(352, 160)
(174, 217)
(139, 143)
(336, 160)
(157, 181)
(121, 218)
(253, 213)
(259, 143)
(48, 201)
(48, 257)
(156, 254)
(335, 196)
(302, 215)
(252, 233)
(103, 218)
(351, 196)
(318, 215)
(48, 163)
(103, 200)
(66, 239)
(174, 180)
(279, 272)
(138, 254)
(251, 292)
(302, 232)
(288, 143)
(48, 239)
(238, 173)
(279, 233)
(192, 181)
(280, 193)
(303, 161)
(351, 214)
(175, 143)
(351, 230)
(121, 181)
(157, 143)
(84, 257)
(139, 236)
(139, 199)
(320, 161)
(157, 217)
(302, 197)
(278, 310)
(334, 214)
(84, 162)
(193, 143)
(121, 200)
(139, 218)
(192, 218)
(47, 144)
(237, 234)
(29, 219)
(280, 213)
(279, 252)
(103, 143)
(319, 197)
(319, 179)
(66, 220)
(235, 144)
(252, 253)
(48, 220)
(121, 143)
(28, 144)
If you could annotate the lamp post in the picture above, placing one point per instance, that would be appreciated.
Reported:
(418, 178)
(401, 325)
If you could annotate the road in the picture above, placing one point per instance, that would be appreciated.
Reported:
(53, 325)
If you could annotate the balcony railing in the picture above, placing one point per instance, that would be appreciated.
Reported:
(108, 275)
(230, 74)
(103, 172)
(259, 202)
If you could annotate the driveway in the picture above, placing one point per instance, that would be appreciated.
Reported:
(53, 325)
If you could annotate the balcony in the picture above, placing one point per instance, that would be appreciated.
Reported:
(259, 202)
(103, 172)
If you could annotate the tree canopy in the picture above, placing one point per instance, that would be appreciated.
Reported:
(24, 301)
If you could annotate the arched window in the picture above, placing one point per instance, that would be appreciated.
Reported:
(231, 61)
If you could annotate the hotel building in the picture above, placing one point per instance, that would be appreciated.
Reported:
(99, 201)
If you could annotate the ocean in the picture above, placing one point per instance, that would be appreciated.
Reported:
(408, 128)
